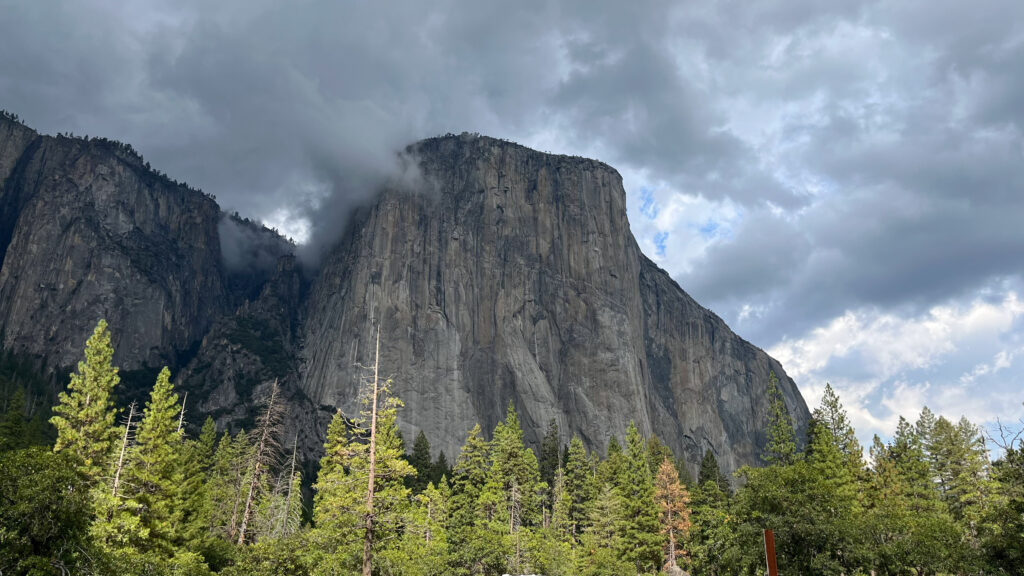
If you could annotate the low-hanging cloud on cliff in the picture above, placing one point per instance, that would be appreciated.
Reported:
(792, 164)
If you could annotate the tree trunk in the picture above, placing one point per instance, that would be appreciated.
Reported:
(124, 446)
(291, 480)
(265, 430)
(181, 418)
(368, 536)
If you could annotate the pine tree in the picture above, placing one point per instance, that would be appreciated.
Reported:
(340, 500)
(423, 548)
(656, 454)
(710, 471)
(513, 494)
(226, 484)
(832, 416)
(712, 530)
(85, 414)
(673, 503)
(580, 486)
(421, 462)
(610, 469)
(473, 547)
(601, 544)
(781, 447)
(440, 469)
(550, 456)
(960, 467)
(155, 473)
(641, 534)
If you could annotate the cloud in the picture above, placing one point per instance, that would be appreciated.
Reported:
(885, 365)
(811, 171)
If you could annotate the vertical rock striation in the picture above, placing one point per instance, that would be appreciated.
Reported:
(503, 275)
(511, 275)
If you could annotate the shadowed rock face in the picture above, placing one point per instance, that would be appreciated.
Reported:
(88, 231)
(511, 275)
(503, 275)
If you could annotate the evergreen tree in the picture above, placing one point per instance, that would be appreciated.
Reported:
(550, 456)
(641, 533)
(340, 492)
(710, 471)
(420, 460)
(337, 495)
(263, 457)
(84, 416)
(423, 548)
(781, 447)
(832, 416)
(154, 476)
(656, 454)
(601, 544)
(960, 467)
(513, 493)
(906, 520)
(474, 548)
(226, 484)
(440, 469)
(1004, 542)
(712, 531)
(610, 469)
(580, 486)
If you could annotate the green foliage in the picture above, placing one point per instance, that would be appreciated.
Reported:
(781, 447)
(550, 456)
(340, 505)
(929, 503)
(580, 487)
(710, 471)
(45, 511)
(640, 531)
(84, 416)
(26, 399)
(420, 460)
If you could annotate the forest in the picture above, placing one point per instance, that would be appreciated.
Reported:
(129, 491)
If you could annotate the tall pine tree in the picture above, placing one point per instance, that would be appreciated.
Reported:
(641, 533)
(85, 414)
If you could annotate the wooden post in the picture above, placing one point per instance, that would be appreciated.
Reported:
(769, 553)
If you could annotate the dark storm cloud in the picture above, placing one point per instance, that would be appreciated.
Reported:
(873, 149)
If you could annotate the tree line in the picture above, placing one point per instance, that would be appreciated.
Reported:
(130, 492)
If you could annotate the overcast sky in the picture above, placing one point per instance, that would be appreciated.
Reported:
(842, 182)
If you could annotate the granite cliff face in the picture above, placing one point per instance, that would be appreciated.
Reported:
(88, 231)
(512, 275)
(503, 275)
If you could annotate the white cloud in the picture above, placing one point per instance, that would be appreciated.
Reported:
(884, 365)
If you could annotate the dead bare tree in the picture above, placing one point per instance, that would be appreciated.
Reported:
(264, 455)
(124, 448)
(181, 418)
(283, 526)
(368, 535)
(1008, 438)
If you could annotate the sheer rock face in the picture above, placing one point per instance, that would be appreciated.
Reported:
(511, 275)
(503, 275)
(87, 231)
